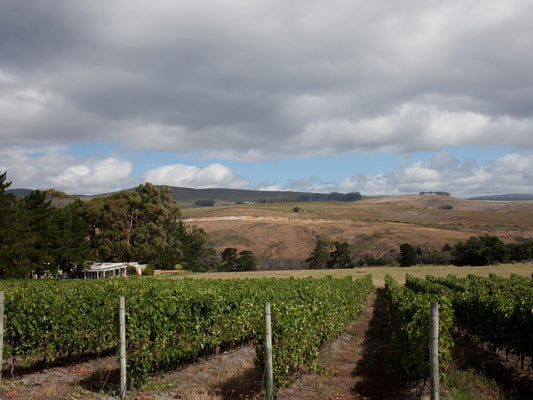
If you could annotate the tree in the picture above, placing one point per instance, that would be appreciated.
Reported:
(70, 248)
(196, 252)
(481, 250)
(142, 225)
(246, 261)
(407, 255)
(520, 251)
(8, 231)
(319, 258)
(340, 257)
(38, 233)
(205, 203)
(229, 259)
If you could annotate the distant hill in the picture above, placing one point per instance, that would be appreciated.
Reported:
(505, 197)
(19, 192)
(187, 197)
(373, 226)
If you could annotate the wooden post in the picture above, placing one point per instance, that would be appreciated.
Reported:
(1, 333)
(269, 384)
(434, 351)
(122, 345)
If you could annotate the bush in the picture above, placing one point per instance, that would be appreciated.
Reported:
(205, 203)
(407, 255)
(481, 250)
(148, 270)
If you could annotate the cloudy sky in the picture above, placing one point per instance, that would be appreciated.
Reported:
(378, 97)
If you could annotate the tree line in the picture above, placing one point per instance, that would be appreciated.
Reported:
(305, 197)
(476, 251)
(143, 225)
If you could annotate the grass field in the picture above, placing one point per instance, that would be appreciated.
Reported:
(378, 273)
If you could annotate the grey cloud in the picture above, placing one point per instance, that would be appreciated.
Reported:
(270, 79)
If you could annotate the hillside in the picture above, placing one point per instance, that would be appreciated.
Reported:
(506, 197)
(187, 197)
(372, 226)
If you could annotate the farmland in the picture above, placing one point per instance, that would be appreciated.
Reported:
(161, 303)
(190, 320)
(373, 226)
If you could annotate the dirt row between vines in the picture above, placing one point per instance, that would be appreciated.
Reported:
(355, 366)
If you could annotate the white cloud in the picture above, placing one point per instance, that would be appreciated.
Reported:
(54, 167)
(508, 174)
(212, 176)
(101, 175)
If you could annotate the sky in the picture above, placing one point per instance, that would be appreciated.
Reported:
(377, 97)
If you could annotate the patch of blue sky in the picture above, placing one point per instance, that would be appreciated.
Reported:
(327, 169)
(480, 154)
(35, 154)
(94, 149)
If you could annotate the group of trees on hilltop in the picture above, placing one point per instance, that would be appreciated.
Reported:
(143, 225)
(435, 193)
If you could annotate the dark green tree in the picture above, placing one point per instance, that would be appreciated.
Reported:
(520, 251)
(70, 248)
(38, 233)
(246, 261)
(8, 228)
(229, 259)
(204, 203)
(407, 255)
(197, 254)
(319, 258)
(481, 250)
(340, 257)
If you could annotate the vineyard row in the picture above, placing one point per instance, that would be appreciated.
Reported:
(170, 321)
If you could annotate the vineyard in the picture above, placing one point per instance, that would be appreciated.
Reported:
(171, 321)
(497, 311)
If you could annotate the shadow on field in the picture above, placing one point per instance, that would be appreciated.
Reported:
(469, 354)
(376, 377)
(245, 385)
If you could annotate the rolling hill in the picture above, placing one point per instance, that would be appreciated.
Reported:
(373, 226)
(506, 197)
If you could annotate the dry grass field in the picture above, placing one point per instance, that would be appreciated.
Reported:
(378, 273)
(372, 226)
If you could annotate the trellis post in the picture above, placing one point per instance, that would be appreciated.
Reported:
(434, 351)
(269, 379)
(122, 345)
